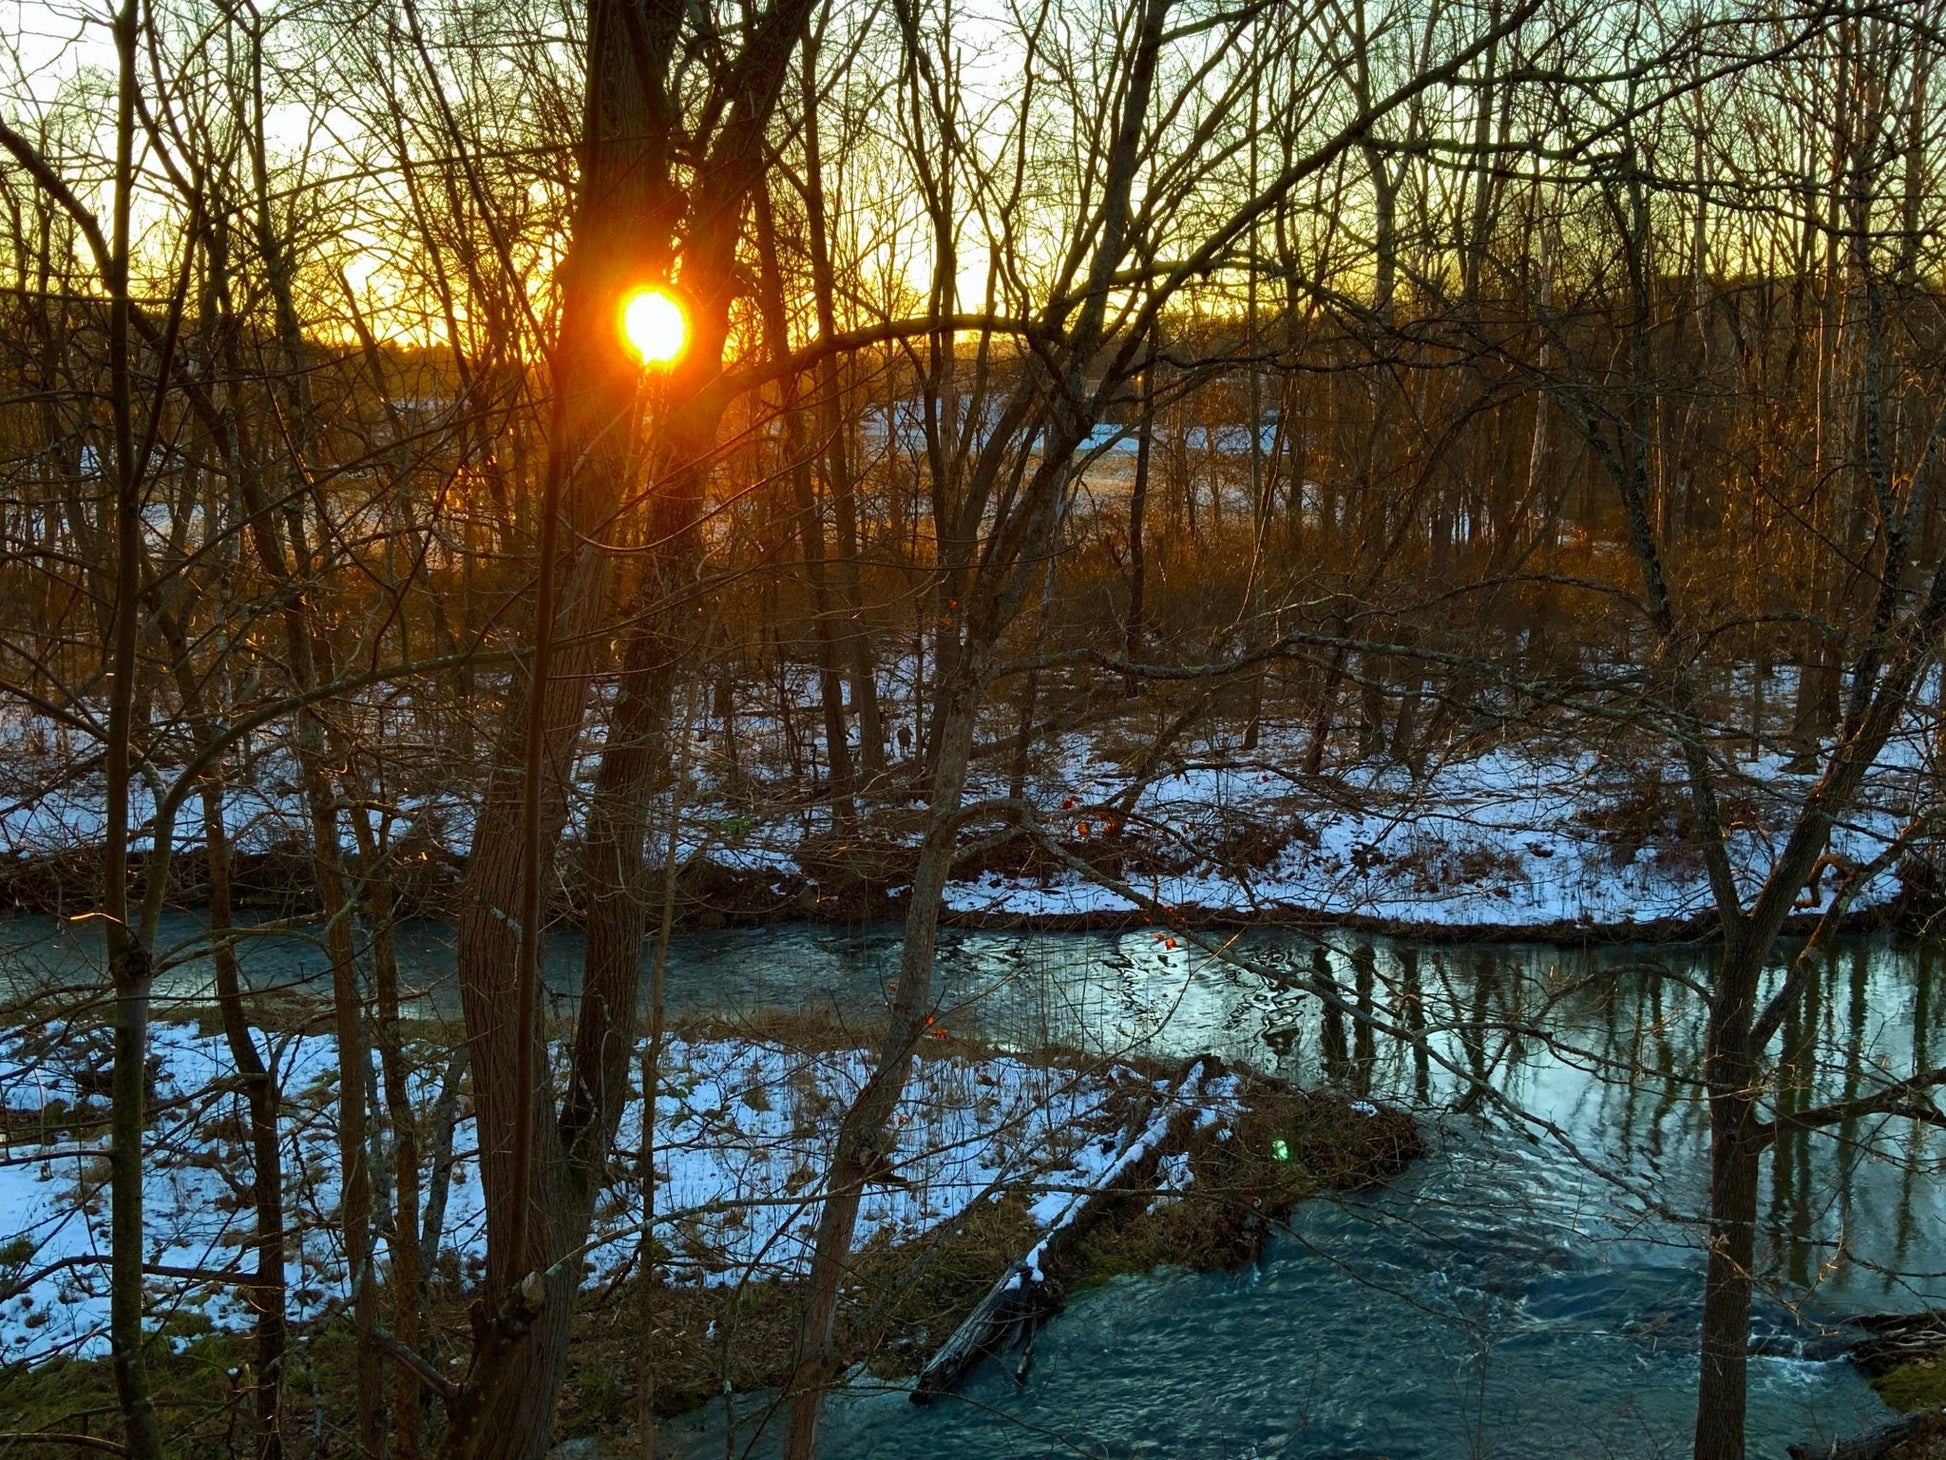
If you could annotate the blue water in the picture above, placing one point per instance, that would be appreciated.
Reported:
(1529, 1289)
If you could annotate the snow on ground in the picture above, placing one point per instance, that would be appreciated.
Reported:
(1059, 1209)
(1513, 838)
(52, 802)
(1537, 832)
(743, 1134)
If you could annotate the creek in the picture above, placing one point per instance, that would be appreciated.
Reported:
(1528, 1289)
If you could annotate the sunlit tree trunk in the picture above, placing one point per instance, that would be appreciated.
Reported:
(834, 426)
(541, 1170)
(810, 521)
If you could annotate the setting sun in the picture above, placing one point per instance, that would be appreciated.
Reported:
(654, 326)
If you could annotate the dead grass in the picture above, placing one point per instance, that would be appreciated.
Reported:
(1928, 1444)
(1243, 1190)
(904, 1299)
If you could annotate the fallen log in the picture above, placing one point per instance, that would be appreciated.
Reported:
(1022, 1296)
(1877, 1441)
(1897, 1339)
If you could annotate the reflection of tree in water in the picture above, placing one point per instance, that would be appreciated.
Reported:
(1924, 964)
(1364, 967)
(1790, 1211)
(1606, 1044)
(1413, 1009)
(1331, 1021)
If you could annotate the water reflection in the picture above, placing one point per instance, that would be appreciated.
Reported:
(1530, 1289)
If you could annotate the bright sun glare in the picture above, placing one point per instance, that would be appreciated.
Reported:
(654, 326)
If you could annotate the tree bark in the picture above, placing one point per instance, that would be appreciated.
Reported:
(130, 963)
(540, 1173)
(862, 1135)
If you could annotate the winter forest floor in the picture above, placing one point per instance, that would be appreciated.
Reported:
(1576, 827)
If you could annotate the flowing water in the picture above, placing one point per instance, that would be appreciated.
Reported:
(1529, 1289)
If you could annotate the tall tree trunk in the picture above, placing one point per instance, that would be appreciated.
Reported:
(1138, 503)
(290, 564)
(130, 962)
(408, 1268)
(266, 1295)
(507, 1406)
(810, 522)
(982, 602)
(862, 1138)
(1031, 688)
(840, 486)
(261, 1094)
(354, 1081)
(540, 1173)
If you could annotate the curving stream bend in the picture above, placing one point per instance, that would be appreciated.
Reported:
(1506, 1298)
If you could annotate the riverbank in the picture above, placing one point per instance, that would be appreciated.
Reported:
(991, 1149)
(1524, 841)
(712, 896)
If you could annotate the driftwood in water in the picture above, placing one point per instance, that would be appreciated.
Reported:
(1877, 1441)
(1020, 1298)
(1008, 1304)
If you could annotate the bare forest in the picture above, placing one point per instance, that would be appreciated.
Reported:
(1203, 727)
